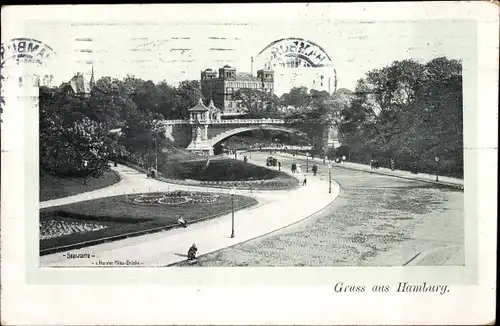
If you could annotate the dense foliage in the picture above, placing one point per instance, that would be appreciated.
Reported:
(408, 111)
(411, 112)
(80, 134)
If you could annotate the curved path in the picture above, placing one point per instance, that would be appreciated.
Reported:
(276, 210)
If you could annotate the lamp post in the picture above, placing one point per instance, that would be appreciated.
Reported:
(85, 162)
(437, 169)
(329, 177)
(156, 158)
(232, 210)
(307, 162)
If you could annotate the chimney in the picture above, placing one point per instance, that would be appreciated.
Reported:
(251, 66)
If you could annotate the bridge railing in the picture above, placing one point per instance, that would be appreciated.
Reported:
(232, 121)
(249, 121)
(173, 122)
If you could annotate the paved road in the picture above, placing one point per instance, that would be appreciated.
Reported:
(443, 180)
(377, 220)
(276, 210)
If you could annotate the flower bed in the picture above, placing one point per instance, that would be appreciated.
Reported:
(176, 198)
(57, 226)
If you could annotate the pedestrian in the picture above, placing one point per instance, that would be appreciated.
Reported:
(415, 168)
(279, 165)
(305, 180)
(192, 252)
(181, 222)
(315, 169)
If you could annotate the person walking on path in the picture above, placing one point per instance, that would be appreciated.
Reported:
(305, 180)
(315, 169)
(279, 165)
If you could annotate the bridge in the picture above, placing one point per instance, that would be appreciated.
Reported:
(205, 128)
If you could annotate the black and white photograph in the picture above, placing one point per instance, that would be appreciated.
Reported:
(186, 143)
(254, 145)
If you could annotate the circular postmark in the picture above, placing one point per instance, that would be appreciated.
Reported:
(26, 50)
(27, 62)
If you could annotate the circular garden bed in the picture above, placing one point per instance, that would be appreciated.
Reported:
(176, 198)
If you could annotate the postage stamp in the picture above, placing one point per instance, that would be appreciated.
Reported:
(315, 149)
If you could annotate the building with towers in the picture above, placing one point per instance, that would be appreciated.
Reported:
(220, 88)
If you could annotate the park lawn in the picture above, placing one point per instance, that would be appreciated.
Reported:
(52, 187)
(123, 216)
(224, 170)
(229, 173)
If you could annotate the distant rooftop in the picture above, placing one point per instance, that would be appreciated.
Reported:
(78, 83)
(246, 76)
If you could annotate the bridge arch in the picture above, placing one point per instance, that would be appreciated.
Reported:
(220, 137)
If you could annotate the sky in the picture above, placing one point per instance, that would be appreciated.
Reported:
(174, 51)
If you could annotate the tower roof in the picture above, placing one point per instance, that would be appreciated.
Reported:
(78, 83)
(200, 107)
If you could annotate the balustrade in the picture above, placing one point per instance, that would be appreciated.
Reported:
(222, 122)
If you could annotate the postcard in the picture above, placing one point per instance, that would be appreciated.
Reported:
(270, 163)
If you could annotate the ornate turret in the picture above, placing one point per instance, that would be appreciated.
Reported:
(198, 112)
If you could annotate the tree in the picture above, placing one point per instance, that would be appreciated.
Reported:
(258, 104)
(166, 95)
(141, 139)
(410, 111)
(314, 117)
(187, 95)
(298, 97)
(78, 150)
(111, 102)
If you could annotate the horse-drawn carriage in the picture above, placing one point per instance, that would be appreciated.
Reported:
(271, 161)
